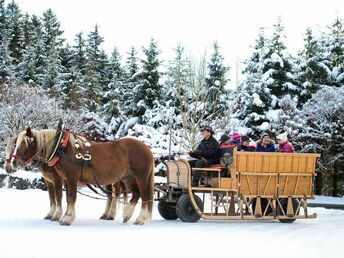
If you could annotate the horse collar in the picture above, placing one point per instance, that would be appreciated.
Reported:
(61, 145)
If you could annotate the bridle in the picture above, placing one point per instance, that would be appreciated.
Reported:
(31, 145)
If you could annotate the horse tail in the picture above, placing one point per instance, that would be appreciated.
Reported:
(150, 189)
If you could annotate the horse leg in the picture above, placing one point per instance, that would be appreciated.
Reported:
(129, 208)
(52, 201)
(58, 184)
(69, 216)
(110, 208)
(146, 192)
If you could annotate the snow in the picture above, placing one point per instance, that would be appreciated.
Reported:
(23, 233)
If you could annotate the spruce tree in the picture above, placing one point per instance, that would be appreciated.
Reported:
(16, 37)
(93, 76)
(148, 91)
(131, 78)
(333, 42)
(113, 95)
(217, 94)
(312, 69)
(52, 44)
(253, 99)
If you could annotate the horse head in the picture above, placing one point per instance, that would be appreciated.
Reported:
(25, 149)
(11, 145)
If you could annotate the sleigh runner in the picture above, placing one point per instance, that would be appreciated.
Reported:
(248, 185)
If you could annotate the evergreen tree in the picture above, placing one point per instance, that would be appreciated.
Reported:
(2, 19)
(176, 85)
(113, 95)
(147, 94)
(15, 36)
(253, 99)
(334, 46)
(312, 67)
(278, 67)
(32, 66)
(323, 132)
(217, 94)
(74, 64)
(131, 74)
(93, 76)
(52, 42)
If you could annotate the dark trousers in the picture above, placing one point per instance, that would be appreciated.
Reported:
(199, 163)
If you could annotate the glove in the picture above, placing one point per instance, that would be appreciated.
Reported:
(194, 154)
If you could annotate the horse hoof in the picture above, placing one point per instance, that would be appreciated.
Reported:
(55, 219)
(103, 217)
(126, 219)
(48, 217)
(64, 223)
(139, 222)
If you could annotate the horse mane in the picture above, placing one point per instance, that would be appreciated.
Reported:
(44, 140)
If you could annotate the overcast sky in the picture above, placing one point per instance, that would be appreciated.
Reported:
(193, 23)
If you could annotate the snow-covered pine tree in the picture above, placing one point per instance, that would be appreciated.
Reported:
(16, 38)
(216, 80)
(70, 81)
(279, 79)
(52, 43)
(333, 42)
(147, 93)
(312, 69)
(93, 76)
(252, 99)
(323, 132)
(32, 65)
(177, 80)
(113, 95)
(131, 71)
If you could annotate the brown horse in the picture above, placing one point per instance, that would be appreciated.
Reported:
(53, 183)
(50, 177)
(111, 161)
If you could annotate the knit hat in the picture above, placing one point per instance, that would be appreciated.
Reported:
(263, 135)
(207, 128)
(283, 137)
(236, 136)
(245, 138)
(224, 138)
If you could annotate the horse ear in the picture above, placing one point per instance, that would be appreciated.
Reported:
(29, 132)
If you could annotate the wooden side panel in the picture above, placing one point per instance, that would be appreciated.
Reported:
(178, 173)
(266, 173)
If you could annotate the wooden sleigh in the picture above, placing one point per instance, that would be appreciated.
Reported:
(251, 185)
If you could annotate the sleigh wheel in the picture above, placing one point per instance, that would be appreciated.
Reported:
(284, 205)
(185, 210)
(167, 210)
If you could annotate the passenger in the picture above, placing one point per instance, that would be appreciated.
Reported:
(245, 144)
(265, 144)
(206, 153)
(284, 144)
(235, 138)
(224, 140)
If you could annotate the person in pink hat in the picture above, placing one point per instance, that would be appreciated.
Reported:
(235, 138)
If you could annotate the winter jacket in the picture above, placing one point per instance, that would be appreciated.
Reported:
(208, 148)
(269, 148)
(286, 147)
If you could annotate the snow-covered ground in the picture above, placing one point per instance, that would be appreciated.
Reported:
(24, 233)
